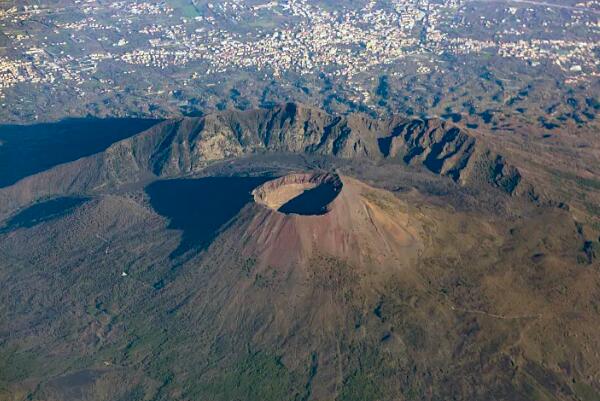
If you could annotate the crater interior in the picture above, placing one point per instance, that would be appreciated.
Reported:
(302, 193)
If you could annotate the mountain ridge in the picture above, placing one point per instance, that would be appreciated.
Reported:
(185, 146)
(440, 146)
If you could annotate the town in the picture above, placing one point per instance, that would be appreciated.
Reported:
(196, 42)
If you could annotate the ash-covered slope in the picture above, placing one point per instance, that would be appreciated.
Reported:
(185, 146)
(361, 225)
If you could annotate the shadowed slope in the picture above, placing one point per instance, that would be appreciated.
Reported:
(30, 149)
(199, 207)
(41, 212)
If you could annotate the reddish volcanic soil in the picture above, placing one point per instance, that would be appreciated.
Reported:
(362, 225)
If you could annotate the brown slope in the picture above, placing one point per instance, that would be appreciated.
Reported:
(363, 226)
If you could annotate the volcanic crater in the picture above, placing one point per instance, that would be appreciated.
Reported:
(300, 193)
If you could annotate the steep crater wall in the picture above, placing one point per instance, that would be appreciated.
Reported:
(303, 194)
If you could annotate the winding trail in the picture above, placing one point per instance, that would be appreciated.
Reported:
(479, 312)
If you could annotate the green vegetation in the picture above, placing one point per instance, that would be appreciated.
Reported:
(258, 377)
(586, 392)
(383, 200)
(578, 180)
(361, 386)
(16, 366)
(248, 265)
(185, 7)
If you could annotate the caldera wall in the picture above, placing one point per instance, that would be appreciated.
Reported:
(299, 193)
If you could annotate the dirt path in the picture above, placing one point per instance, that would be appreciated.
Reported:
(495, 316)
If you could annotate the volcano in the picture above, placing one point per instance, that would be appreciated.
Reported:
(286, 254)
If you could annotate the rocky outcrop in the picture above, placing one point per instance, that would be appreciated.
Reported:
(186, 145)
(442, 148)
(449, 151)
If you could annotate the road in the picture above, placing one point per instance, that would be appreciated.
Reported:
(541, 4)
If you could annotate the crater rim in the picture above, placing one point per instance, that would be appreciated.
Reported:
(306, 194)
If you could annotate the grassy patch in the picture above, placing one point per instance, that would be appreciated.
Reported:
(580, 181)
(586, 392)
(259, 376)
(384, 201)
(16, 366)
(361, 386)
